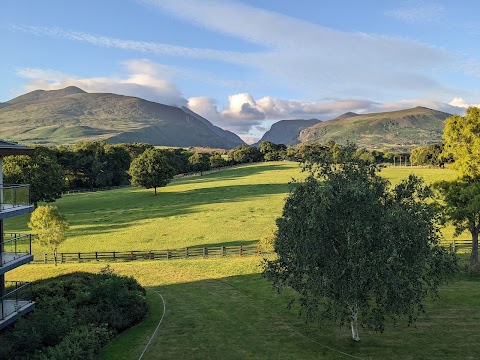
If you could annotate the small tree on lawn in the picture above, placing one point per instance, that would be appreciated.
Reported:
(151, 170)
(357, 251)
(49, 226)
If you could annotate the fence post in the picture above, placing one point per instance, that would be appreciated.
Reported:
(45, 258)
(79, 257)
(241, 250)
(131, 255)
(453, 244)
(186, 252)
(96, 255)
(205, 252)
(150, 255)
(168, 254)
(114, 256)
(223, 250)
(62, 258)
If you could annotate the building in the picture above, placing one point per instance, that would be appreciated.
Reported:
(15, 249)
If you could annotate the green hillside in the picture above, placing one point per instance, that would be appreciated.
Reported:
(396, 130)
(70, 115)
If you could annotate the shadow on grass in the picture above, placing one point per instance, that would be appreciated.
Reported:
(131, 206)
(233, 173)
(241, 317)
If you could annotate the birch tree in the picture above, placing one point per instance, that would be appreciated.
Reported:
(357, 251)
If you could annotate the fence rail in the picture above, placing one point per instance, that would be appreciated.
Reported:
(169, 254)
(183, 253)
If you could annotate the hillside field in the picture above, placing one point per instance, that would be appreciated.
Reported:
(235, 206)
(221, 308)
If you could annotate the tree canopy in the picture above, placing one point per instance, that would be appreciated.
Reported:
(151, 170)
(462, 142)
(41, 171)
(462, 206)
(357, 251)
(49, 226)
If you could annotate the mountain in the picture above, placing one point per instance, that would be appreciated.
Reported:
(287, 131)
(395, 130)
(70, 115)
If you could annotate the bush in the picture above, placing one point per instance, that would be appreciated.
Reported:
(75, 315)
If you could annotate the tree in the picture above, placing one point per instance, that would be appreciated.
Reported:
(41, 171)
(462, 205)
(49, 226)
(462, 142)
(151, 170)
(216, 160)
(356, 251)
(199, 162)
(462, 196)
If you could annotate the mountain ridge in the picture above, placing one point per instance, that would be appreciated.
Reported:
(70, 115)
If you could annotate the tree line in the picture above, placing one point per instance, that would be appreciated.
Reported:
(97, 164)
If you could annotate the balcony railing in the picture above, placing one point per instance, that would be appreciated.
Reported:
(15, 246)
(18, 296)
(14, 195)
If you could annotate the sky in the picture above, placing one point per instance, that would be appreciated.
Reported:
(247, 64)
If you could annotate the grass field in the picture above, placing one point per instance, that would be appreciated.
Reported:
(234, 206)
(221, 307)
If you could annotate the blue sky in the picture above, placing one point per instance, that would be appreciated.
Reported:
(246, 64)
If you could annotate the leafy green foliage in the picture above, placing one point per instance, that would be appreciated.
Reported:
(244, 154)
(462, 142)
(357, 251)
(41, 171)
(429, 155)
(75, 315)
(272, 152)
(49, 226)
(199, 162)
(151, 170)
(462, 208)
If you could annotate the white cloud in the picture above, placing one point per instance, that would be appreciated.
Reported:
(243, 115)
(461, 103)
(144, 79)
(135, 45)
(295, 54)
(418, 12)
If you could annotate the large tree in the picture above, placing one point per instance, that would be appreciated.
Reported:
(41, 171)
(462, 142)
(462, 196)
(199, 162)
(462, 206)
(357, 251)
(151, 170)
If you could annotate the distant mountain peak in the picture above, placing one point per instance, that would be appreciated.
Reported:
(69, 115)
(346, 115)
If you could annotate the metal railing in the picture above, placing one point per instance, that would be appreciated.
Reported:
(14, 195)
(15, 245)
(18, 294)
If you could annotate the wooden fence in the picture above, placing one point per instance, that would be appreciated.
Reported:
(185, 253)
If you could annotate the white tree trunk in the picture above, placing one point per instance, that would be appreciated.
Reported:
(354, 323)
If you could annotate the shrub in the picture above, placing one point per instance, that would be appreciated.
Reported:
(75, 315)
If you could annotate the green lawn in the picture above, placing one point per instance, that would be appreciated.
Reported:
(234, 206)
(222, 308)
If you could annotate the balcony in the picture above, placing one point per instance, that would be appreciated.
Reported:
(16, 302)
(14, 200)
(17, 251)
